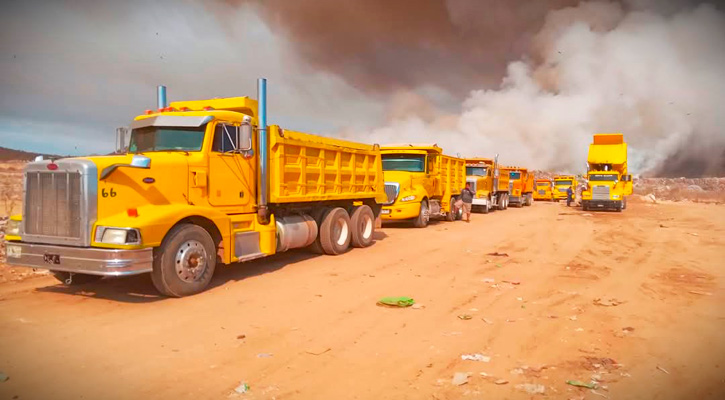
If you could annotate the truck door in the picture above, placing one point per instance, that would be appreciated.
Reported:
(232, 169)
(432, 177)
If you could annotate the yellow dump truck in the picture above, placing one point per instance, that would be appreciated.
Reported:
(522, 186)
(201, 183)
(492, 186)
(543, 190)
(421, 182)
(561, 183)
(609, 184)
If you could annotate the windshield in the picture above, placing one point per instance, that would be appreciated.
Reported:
(543, 184)
(515, 175)
(404, 162)
(166, 138)
(476, 171)
(562, 183)
(603, 177)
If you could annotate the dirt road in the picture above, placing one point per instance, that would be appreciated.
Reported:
(303, 326)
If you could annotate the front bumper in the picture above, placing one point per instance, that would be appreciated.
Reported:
(515, 199)
(603, 204)
(480, 202)
(400, 211)
(81, 260)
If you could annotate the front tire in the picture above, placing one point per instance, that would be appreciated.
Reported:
(184, 263)
(335, 233)
(423, 216)
(76, 279)
(363, 226)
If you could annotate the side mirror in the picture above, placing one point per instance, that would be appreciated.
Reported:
(122, 138)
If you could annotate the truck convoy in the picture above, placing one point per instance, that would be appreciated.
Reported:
(543, 190)
(561, 183)
(208, 182)
(609, 184)
(522, 186)
(492, 186)
(421, 182)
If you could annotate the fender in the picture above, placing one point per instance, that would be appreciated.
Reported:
(154, 222)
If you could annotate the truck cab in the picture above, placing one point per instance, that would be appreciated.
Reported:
(543, 190)
(609, 184)
(561, 184)
(522, 186)
(420, 182)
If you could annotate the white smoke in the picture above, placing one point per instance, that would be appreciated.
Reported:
(595, 68)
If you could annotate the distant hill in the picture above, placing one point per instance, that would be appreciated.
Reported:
(19, 155)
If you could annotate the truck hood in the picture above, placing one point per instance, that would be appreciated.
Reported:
(405, 179)
(164, 182)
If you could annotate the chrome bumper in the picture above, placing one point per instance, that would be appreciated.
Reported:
(81, 260)
(480, 202)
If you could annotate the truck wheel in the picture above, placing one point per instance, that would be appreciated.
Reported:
(624, 203)
(77, 279)
(363, 226)
(185, 261)
(335, 232)
(619, 207)
(318, 215)
(486, 208)
(499, 203)
(423, 216)
(459, 213)
(453, 213)
(585, 206)
(505, 201)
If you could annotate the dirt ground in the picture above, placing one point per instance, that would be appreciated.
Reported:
(632, 300)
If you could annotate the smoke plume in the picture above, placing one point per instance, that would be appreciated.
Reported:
(536, 79)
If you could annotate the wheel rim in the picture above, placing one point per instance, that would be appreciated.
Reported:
(191, 261)
(340, 231)
(424, 212)
(367, 230)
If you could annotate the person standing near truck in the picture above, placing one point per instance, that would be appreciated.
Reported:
(467, 201)
(569, 193)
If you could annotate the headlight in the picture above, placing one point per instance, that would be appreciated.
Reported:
(616, 196)
(408, 198)
(12, 228)
(117, 235)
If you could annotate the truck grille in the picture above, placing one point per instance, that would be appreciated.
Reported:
(562, 190)
(600, 193)
(391, 191)
(542, 192)
(53, 204)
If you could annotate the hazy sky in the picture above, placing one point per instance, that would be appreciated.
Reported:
(529, 80)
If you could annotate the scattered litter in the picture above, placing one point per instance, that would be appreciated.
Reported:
(476, 357)
(488, 321)
(596, 378)
(573, 318)
(513, 282)
(242, 336)
(460, 378)
(520, 298)
(662, 226)
(532, 388)
(663, 370)
(517, 371)
(599, 394)
(625, 374)
(465, 317)
(317, 352)
(700, 293)
(498, 265)
(264, 355)
(586, 215)
(400, 301)
(607, 303)
(3, 377)
(501, 382)
(417, 306)
(497, 254)
(242, 388)
(694, 234)
(553, 316)
(473, 309)
(488, 280)
(485, 375)
(582, 384)
(523, 306)
(579, 329)
(628, 329)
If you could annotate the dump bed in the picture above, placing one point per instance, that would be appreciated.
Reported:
(305, 167)
(608, 148)
(451, 172)
(500, 178)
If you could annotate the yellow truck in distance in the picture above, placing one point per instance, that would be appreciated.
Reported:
(609, 184)
(561, 183)
(522, 186)
(491, 185)
(421, 182)
(543, 190)
(201, 183)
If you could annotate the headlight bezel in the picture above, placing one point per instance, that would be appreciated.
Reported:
(127, 233)
(408, 198)
(12, 228)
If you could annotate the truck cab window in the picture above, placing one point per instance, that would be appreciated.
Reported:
(225, 138)
(166, 138)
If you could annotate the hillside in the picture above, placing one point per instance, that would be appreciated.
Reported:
(19, 155)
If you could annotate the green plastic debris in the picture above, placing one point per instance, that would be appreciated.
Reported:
(498, 265)
(3, 377)
(582, 384)
(393, 301)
